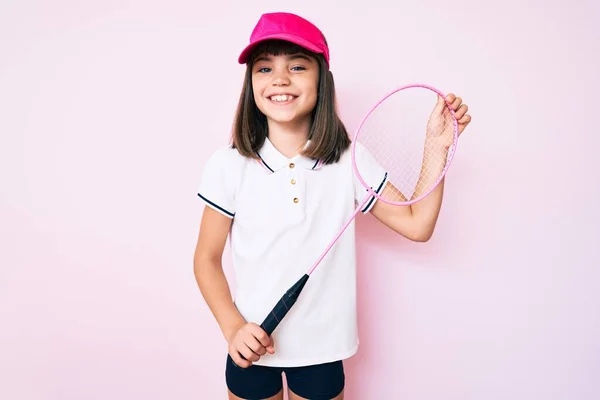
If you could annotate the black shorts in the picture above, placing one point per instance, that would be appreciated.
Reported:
(315, 382)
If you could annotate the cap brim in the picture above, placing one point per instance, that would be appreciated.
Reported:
(245, 54)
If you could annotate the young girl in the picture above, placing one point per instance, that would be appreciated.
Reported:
(280, 192)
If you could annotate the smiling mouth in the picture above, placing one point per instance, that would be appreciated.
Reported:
(282, 98)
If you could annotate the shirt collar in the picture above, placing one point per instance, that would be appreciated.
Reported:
(273, 160)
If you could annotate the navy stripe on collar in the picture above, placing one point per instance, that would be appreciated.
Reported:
(264, 163)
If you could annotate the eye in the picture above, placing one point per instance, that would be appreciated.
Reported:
(264, 70)
(298, 68)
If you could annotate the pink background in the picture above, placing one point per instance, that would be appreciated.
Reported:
(108, 110)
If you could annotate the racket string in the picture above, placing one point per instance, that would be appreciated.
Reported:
(412, 138)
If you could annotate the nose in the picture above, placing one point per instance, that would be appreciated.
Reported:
(281, 78)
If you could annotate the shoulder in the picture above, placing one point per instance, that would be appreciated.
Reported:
(225, 154)
(226, 158)
(358, 148)
(345, 156)
(355, 149)
(220, 178)
(340, 168)
(349, 155)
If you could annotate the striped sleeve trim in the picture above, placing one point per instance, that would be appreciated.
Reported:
(217, 207)
(371, 202)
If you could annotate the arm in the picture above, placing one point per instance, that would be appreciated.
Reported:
(417, 221)
(247, 339)
(209, 274)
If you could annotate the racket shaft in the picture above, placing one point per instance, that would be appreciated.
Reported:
(356, 211)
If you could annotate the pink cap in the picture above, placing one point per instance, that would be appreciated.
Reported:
(289, 27)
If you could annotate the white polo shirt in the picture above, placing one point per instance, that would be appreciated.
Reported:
(285, 212)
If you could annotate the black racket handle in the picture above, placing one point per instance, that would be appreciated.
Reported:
(278, 313)
(283, 306)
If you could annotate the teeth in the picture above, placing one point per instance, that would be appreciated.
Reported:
(281, 97)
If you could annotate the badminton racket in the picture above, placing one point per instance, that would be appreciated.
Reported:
(411, 134)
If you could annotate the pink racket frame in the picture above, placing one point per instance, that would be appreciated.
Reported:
(448, 161)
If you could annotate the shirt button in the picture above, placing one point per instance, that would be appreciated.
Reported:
(292, 165)
(293, 181)
(296, 200)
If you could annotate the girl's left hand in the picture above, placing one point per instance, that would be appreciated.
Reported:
(440, 129)
(460, 111)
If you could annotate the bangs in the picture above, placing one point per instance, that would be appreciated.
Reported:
(277, 48)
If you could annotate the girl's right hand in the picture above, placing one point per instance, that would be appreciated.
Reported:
(250, 341)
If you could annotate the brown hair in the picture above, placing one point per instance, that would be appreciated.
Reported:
(328, 135)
